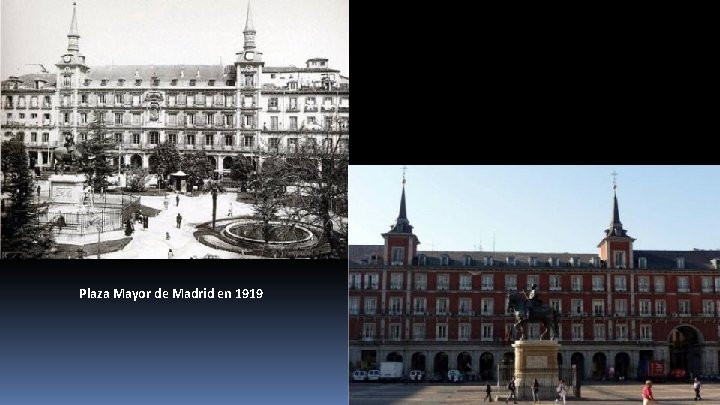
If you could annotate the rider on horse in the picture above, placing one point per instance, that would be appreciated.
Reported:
(533, 300)
(69, 142)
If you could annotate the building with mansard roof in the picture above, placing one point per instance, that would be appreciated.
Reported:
(621, 308)
(244, 108)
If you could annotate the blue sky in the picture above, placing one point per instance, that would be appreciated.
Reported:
(538, 208)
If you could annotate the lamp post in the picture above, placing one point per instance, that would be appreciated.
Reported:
(214, 198)
(98, 225)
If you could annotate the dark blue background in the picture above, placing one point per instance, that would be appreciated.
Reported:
(288, 347)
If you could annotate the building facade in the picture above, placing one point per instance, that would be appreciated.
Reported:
(244, 108)
(620, 308)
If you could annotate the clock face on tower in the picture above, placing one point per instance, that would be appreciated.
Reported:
(67, 58)
(249, 55)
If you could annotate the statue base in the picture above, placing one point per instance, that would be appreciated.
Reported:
(67, 189)
(536, 359)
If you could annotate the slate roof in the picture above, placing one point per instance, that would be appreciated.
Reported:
(28, 80)
(165, 73)
(666, 259)
(293, 69)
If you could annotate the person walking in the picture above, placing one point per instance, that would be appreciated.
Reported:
(536, 390)
(647, 394)
(561, 392)
(165, 203)
(177, 200)
(38, 192)
(178, 219)
(696, 387)
(170, 254)
(511, 387)
(488, 392)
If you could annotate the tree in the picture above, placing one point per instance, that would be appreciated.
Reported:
(168, 159)
(23, 235)
(136, 179)
(197, 166)
(268, 189)
(319, 175)
(241, 170)
(98, 147)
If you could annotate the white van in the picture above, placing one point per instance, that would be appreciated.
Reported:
(373, 375)
(359, 375)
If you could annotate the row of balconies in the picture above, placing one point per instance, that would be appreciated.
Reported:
(306, 130)
(28, 107)
(567, 315)
(12, 124)
(491, 288)
(146, 104)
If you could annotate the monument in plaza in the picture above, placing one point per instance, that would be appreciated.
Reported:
(534, 359)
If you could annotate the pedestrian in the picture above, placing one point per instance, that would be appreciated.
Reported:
(511, 387)
(488, 392)
(178, 219)
(38, 191)
(170, 254)
(177, 200)
(230, 210)
(696, 387)
(165, 203)
(145, 221)
(647, 394)
(536, 390)
(167, 235)
(561, 391)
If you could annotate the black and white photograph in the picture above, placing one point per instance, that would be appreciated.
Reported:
(175, 129)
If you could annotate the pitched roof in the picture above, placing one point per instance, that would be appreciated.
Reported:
(164, 73)
(293, 69)
(666, 259)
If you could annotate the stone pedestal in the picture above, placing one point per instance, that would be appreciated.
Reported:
(535, 359)
(67, 189)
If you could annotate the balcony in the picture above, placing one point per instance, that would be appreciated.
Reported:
(328, 108)
(293, 109)
(273, 109)
(344, 109)
(189, 146)
(311, 108)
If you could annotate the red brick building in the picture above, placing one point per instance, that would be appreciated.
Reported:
(621, 308)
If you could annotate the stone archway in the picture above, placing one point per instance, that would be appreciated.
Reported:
(441, 365)
(464, 362)
(622, 365)
(417, 362)
(136, 161)
(487, 366)
(152, 163)
(227, 163)
(578, 360)
(394, 356)
(685, 349)
(599, 365)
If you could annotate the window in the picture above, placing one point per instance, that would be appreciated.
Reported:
(46, 137)
(292, 144)
(533, 261)
(419, 306)
(190, 139)
(353, 281)
(644, 284)
(138, 82)
(599, 331)
(487, 332)
(620, 307)
(645, 332)
(444, 260)
(292, 103)
(394, 331)
(619, 259)
(66, 81)
(511, 282)
(419, 331)
(464, 332)
(680, 261)
(576, 283)
(642, 262)
(465, 282)
(154, 138)
(644, 307)
(368, 331)
(22, 116)
(577, 332)
(397, 256)
(136, 99)
(274, 143)
(510, 261)
(577, 306)
(621, 332)
(46, 101)
(208, 118)
(487, 306)
(155, 82)
(228, 140)
(660, 307)
(442, 306)
(708, 307)
(683, 285)
(248, 141)
(420, 281)
(33, 136)
(598, 308)
(34, 101)
(293, 123)
(597, 283)
(33, 116)
(441, 331)
(555, 283)
(172, 120)
(118, 137)
(707, 284)
(136, 118)
(396, 281)
(273, 104)
(310, 101)
(371, 281)
(556, 304)
(465, 306)
(66, 118)
(467, 261)
(118, 98)
(487, 282)
(83, 99)
(103, 82)
(620, 285)
(660, 284)
(717, 284)
(228, 120)
(533, 279)
(684, 307)
(136, 138)
(66, 100)
(395, 307)
(370, 305)
(443, 281)
(354, 305)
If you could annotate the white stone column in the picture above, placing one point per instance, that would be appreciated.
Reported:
(145, 161)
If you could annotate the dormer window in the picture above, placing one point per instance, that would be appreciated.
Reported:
(230, 83)
(138, 82)
(173, 82)
(680, 262)
(87, 82)
(575, 261)
(422, 259)
(103, 82)
(533, 261)
(488, 260)
(594, 262)
(467, 260)
(121, 82)
(156, 82)
(398, 254)
(444, 260)
(211, 82)
(192, 82)
(510, 260)
(642, 262)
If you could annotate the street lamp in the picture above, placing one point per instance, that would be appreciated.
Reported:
(94, 220)
(213, 186)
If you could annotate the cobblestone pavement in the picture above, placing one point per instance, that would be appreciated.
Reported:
(600, 394)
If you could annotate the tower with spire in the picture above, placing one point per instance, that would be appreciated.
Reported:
(616, 248)
(248, 72)
(400, 242)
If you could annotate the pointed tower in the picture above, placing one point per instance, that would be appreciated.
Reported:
(616, 248)
(400, 242)
(248, 73)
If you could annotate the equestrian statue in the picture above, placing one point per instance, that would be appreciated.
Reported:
(529, 308)
(69, 154)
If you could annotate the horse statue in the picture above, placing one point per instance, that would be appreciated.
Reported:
(62, 156)
(544, 314)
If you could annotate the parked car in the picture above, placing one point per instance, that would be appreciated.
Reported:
(373, 375)
(416, 375)
(455, 376)
(359, 375)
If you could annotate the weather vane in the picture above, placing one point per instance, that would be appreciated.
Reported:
(614, 174)
(404, 168)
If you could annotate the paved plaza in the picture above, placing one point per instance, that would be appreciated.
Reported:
(601, 394)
